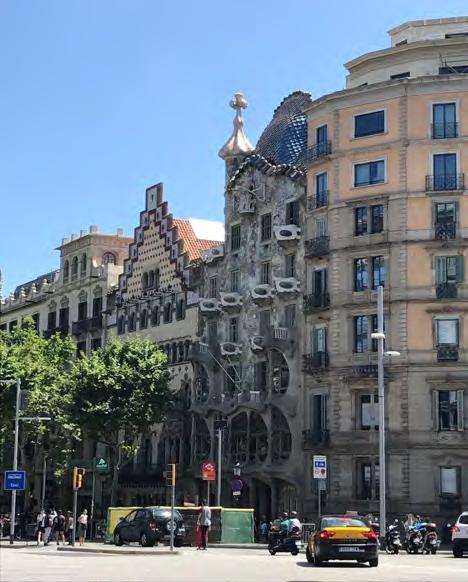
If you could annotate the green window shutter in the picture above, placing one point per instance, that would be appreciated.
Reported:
(460, 411)
(461, 268)
(435, 409)
(440, 270)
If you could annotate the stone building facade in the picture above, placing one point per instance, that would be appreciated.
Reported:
(387, 205)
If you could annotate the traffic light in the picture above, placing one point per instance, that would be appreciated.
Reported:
(78, 474)
(170, 475)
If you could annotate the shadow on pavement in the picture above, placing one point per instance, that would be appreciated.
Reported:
(333, 565)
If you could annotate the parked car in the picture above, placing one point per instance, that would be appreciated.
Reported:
(149, 526)
(460, 536)
(340, 537)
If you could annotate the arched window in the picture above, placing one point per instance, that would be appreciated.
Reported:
(143, 319)
(132, 322)
(75, 267)
(156, 279)
(151, 279)
(109, 258)
(66, 271)
(180, 352)
(144, 281)
(180, 310)
(155, 316)
(84, 264)
(121, 325)
(174, 353)
(168, 313)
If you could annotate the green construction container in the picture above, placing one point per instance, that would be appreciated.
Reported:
(237, 526)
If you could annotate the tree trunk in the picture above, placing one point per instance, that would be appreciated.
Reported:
(115, 474)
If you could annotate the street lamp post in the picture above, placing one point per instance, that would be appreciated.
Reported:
(380, 337)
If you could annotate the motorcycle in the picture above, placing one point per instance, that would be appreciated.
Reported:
(431, 541)
(392, 538)
(414, 540)
(291, 542)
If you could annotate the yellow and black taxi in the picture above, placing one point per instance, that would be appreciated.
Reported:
(340, 537)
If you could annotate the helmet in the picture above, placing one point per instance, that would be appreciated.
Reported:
(293, 514)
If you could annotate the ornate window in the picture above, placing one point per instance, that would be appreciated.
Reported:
(84, 264)
(75, 267)
(109, 258)
(66, 271)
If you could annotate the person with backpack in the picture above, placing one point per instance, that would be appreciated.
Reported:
(59, 527)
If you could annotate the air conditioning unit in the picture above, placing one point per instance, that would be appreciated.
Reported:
(262, 292)
(208, 305)
(230, 349)
(230, 299)
(257, 343)
(287, 285)
(213, 253)
(287, 233)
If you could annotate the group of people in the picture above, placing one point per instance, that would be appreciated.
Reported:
(283, 524)
(52, 525)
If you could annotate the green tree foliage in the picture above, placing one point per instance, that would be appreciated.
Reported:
(120, 392)
(43, 366)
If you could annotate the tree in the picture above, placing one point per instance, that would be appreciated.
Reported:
(120, 392)
(43, 366)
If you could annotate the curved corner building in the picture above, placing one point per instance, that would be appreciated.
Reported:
(387, 205)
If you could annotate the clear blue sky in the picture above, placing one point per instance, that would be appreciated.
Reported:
(101, 98)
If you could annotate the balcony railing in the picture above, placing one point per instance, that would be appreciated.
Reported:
(315, 301)
(447, 353)
(446, 230)
(311, 363)
(445, 182)
(317, 151)
(280, 333)
(315, 438)
(444, 130)
(61, 329)
(89, 324)
(446, 290)
(318, 200)
(317, 247)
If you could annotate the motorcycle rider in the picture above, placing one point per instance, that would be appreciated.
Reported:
(294, 522)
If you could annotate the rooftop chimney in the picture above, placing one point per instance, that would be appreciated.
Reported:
(93, 229)
(83, 232)
(65, 240)
(120, 232)
(74, 236)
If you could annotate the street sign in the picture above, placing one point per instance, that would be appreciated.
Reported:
(101, 464)
(320, 467)
(236, 486)
(209, 471)
(15, 481)
(236, 493)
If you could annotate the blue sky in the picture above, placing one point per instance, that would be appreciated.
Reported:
(101, 98)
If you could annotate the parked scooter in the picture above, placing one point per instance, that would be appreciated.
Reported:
(392, 538)
(430, 539)
(291, 542)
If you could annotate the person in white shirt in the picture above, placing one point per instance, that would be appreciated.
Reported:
(294, 522)
(82, 526)
(40, 526)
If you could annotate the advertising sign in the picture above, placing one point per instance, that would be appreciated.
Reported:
(209, 471)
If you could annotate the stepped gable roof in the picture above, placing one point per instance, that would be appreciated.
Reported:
(284, 140)
(192, 244)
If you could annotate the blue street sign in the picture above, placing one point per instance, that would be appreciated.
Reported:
(14, 481)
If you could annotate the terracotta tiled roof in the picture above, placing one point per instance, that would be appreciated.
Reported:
(192, 245)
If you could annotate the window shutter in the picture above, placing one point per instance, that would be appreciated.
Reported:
(435, 409)
(324, 412)
(440, 270)
(460, 411)
(461, 268)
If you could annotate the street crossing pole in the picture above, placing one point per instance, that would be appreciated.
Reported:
(220, 459)
(173, 483)
(15, 460)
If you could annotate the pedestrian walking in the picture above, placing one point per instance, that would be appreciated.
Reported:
(82, 526)
(40, 526)
(59, 527)
(70, 528)
(204, 523)
(48, 522)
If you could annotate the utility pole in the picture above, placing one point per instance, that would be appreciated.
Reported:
(44, 473)
(220, 472)
(381, 393)
(171, 480)
(15, 460)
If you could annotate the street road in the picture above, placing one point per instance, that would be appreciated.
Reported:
(218, 565)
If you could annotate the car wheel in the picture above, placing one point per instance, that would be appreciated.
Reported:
(145, 542)
(272, 551)
(317, 561)
(294, 552)
(458, 553)
(309, 557)
(118, 539)
(374, 562)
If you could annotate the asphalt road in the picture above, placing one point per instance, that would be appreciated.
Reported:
(218, 565)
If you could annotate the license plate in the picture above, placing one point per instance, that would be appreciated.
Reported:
(298, 544)
(351, 549)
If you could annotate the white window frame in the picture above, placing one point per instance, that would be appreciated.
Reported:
(353, 123)
(457, 470)
(460, 408)
(360, 162)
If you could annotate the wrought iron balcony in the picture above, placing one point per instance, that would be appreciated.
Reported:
(365, 371)
(89, 324)
(317, 151)
(445, 230)
(446, 290)
(315, 438)
(445, 182)
(61, 329)
(313, 363)
(447, 353)
(444, 130)
(316, 301)
(318, 200)
(317, 247)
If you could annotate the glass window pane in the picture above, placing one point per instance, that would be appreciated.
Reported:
(369, 123)
(449, 480)
(447, 331)
(361, 174)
